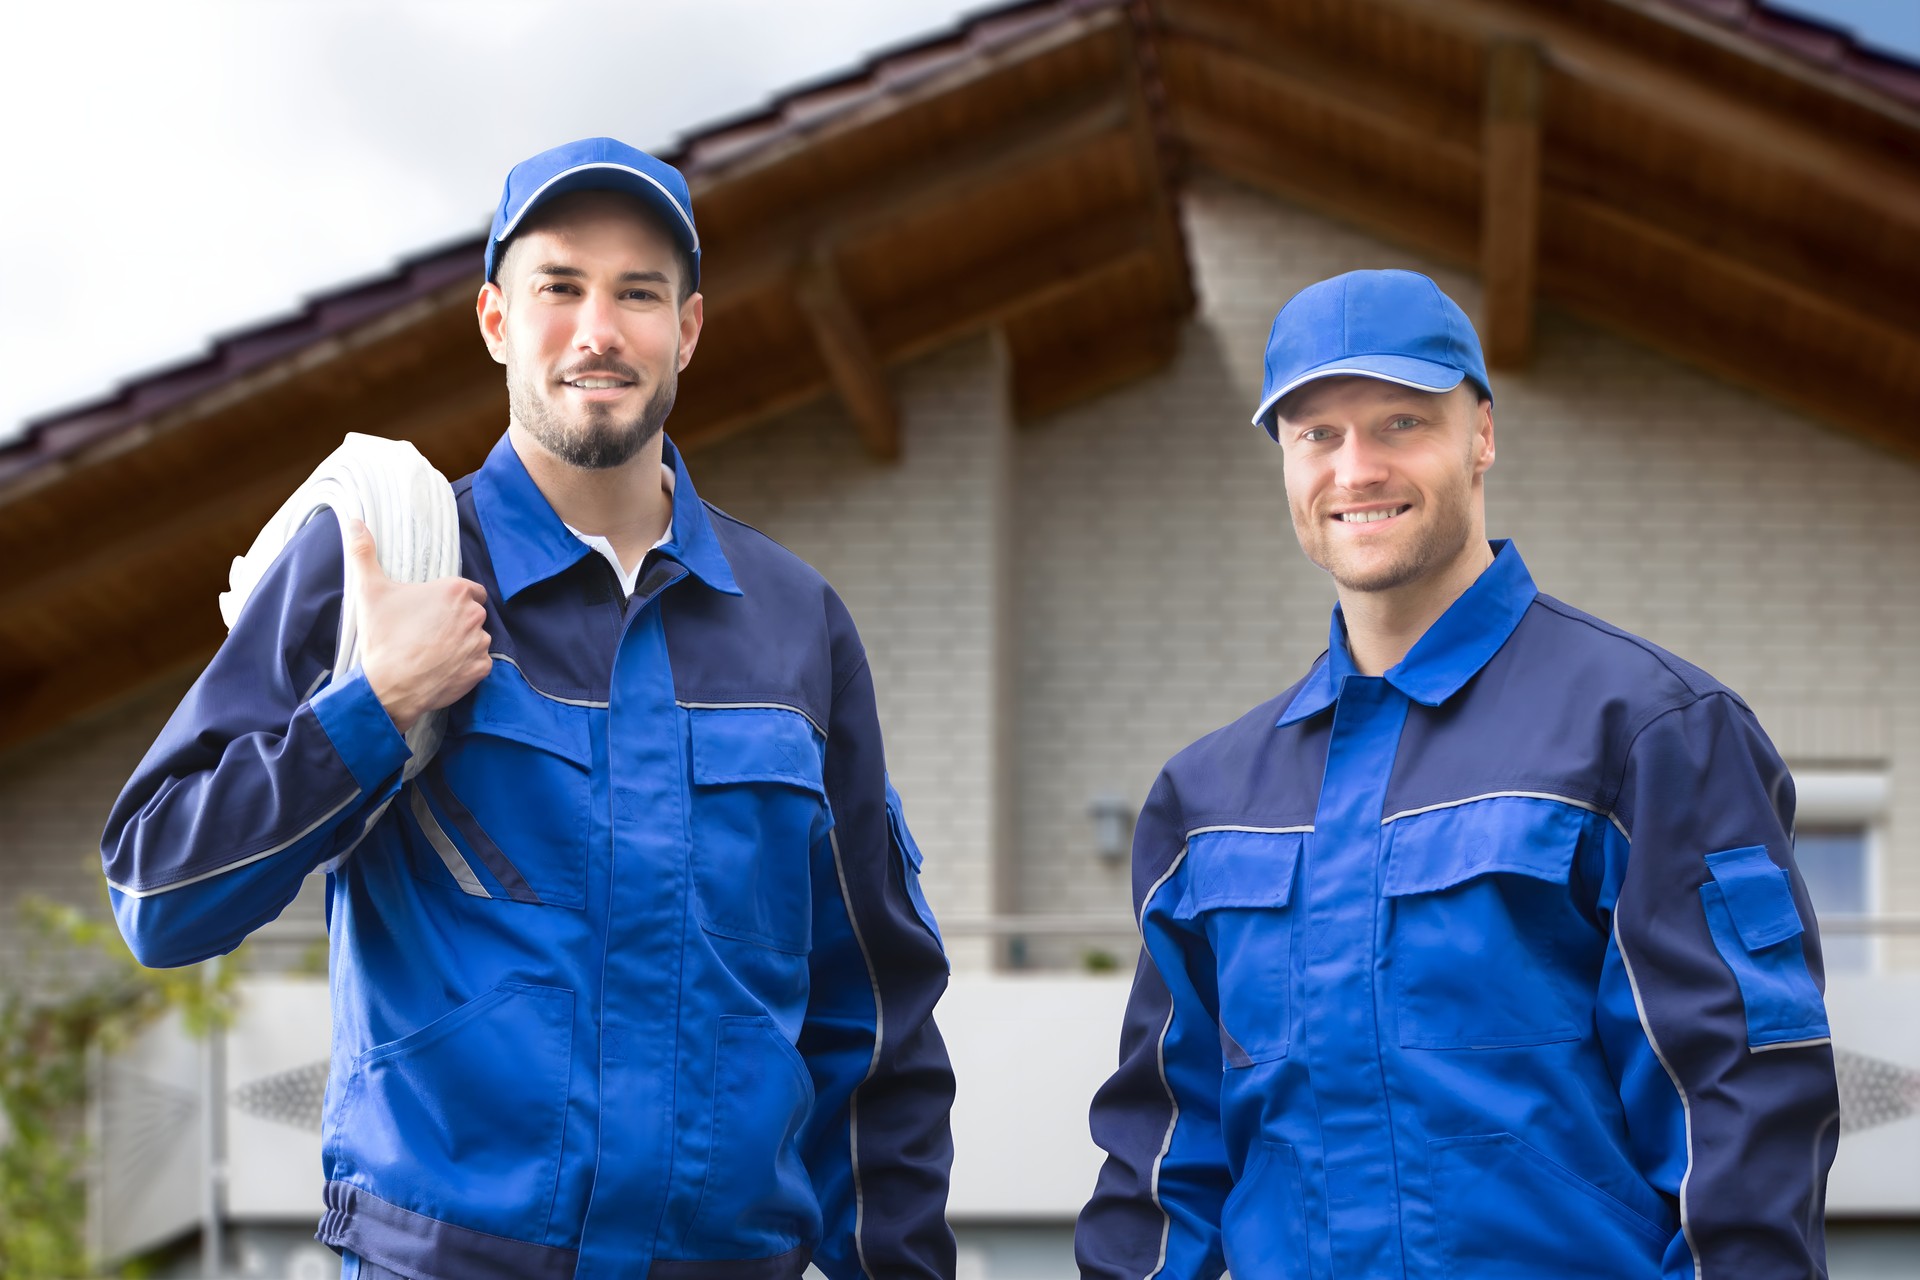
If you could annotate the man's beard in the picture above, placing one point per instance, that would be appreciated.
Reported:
(597, 440)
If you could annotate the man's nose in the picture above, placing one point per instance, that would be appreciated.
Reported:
(1361, 462)
(597, 330)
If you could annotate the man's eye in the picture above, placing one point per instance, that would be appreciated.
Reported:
(1314, 435)
(1404, 424)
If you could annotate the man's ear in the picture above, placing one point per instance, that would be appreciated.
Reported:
(491, 310)
(1483, 438)
(693, 314)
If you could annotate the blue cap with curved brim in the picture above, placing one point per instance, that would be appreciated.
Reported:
(595, 164)
(1393, 325)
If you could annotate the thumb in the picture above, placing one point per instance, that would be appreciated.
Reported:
(361, 556)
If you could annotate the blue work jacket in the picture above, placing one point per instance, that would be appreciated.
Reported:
(1495, 966)
(636, 978)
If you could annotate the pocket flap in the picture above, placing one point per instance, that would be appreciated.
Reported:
(506, 706)
(756, 744)
(1513, 835)
(1757, 895)
(897, 823)
(1239, 869)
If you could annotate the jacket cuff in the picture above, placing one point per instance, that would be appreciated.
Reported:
(361, 731)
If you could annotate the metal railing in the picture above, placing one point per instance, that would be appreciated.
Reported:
(1043, 924)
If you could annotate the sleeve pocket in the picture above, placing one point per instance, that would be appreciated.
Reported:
(910, 861)
(1757, 930)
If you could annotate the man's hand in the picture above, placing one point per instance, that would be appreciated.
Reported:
(423, 645)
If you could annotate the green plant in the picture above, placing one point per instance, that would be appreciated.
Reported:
(90, 994)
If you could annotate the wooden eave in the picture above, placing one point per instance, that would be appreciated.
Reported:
(1750, 212)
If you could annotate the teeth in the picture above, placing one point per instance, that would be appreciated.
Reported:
(1368, 517)
(596, 384)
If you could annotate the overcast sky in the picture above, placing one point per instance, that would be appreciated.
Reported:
(178, 169)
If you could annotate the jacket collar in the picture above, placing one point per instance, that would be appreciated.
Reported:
(529, 543)
(1460, 642)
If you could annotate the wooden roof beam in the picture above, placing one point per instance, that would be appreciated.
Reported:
(848, 352)
(973, 296)
(1146, 100)
(1510, 202)
(1755, 130)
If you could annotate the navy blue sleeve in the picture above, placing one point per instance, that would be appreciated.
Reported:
(261, 775)
(1155, 1210)
(878, 1145)
(1732, 1104)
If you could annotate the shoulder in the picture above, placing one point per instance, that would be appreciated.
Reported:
(1251, 770)
(759, 561)
(1595, 655)
(1247, 734)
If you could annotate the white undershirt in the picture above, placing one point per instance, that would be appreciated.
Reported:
(629, 578)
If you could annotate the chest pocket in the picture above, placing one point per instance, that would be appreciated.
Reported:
(1488, 948)
(1239, 890)
(503, 809)
(759, 804)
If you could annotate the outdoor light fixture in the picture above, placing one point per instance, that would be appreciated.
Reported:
(1112, 827)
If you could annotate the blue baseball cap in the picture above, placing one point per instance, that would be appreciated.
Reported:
(595, 164)
(1393, 325)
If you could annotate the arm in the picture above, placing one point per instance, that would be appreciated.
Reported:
(878, 1144)
(1155, 1210)
(1711, 987)
(261, 774)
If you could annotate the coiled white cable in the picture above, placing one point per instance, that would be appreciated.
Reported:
(409, 509)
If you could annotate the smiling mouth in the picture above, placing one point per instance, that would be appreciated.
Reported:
(597, 384)
(1371, 517)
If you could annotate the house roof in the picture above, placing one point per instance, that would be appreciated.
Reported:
(1733, 185)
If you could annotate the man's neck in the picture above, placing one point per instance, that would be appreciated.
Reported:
(1383, 626)
(627, 505)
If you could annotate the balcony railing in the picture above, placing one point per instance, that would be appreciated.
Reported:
(1043, 924)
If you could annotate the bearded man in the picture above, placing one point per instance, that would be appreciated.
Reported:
(1480, 951)
(635, 978)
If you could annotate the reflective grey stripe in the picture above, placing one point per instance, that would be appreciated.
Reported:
(751, 706)
(873, 1063)
(1686, 1104)
(315, 686)
(1518, 795)
(1263, 831)
(571, 702)
(1789, 1044)
(456, 863)
(282, 847)
(1166, 1143)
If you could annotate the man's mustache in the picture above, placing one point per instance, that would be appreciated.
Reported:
(601, 368)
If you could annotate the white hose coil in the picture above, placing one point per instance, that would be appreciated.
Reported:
(409, 509)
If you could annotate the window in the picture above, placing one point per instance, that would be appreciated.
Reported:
(1835, 846)
(1833, 862)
